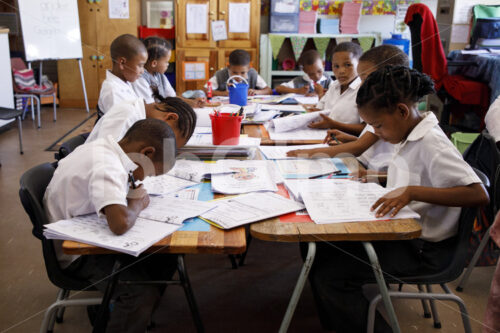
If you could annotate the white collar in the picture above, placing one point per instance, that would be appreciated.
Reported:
(428, 122)
(353, 85)
(126, 161)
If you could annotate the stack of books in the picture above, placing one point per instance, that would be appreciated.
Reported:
(349, 18)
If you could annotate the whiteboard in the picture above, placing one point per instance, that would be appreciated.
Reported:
(51, 29)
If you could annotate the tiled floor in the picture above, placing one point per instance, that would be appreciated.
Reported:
(250, 299)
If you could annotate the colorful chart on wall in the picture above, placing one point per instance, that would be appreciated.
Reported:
(195, 70)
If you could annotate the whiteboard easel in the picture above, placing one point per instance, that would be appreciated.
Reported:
(51, 31)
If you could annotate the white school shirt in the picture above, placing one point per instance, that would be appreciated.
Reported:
(143, 90)
(342, 107)
(92, 177)
(260, 84)
(113, 91)
(306, 78)
(428, 158)
(492, 119)
(118, 120)
(378, 156)
(142, 86)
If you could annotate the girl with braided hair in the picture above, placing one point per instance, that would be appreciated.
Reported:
(428, 174)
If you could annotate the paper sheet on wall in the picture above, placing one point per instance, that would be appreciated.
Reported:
(459, 33)
(219, 31)
(119, 9)
(248, 176)
(196, 18)
(279, 152)
(174, 210)
(290, 123)
(239, 17)
(248, 208)
(93, 230)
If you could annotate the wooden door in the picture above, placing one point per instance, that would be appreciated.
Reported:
(194, 55)
(241, 40)
(185, 39)
(108, 29)
(223, 58)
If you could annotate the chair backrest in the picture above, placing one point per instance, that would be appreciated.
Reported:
(486, 33)
(33, 184)
(68, 146)
(496, 191)
(17, 64)
(484, 155)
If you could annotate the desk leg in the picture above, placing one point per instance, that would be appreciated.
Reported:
(382, 286)
(306, 267)
(102, 316)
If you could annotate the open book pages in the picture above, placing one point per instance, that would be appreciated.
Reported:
(347, 201)
(205, 140)
(305, 168)
(300, 121)
(248, 176)
(174, 210)
(197, 170)
(279, 152)
(252, 207)
(298, 134)
(165, 184)
(91, 229)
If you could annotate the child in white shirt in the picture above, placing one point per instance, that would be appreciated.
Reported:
(94, 178)
(340, 99)
(153, 81)
(313, 82)
(172, 110)
(129, 56)
(428, 174)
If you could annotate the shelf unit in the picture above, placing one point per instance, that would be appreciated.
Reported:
(266, 55)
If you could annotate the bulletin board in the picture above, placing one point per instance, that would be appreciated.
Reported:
(195, 70)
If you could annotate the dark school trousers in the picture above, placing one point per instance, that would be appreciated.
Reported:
(132, 305)
(340, 270)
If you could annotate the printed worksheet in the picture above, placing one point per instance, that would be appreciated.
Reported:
(165, 184)
(205, 140)
(279, 152)
(297, 168)
(298, 134)
(291, 123)
(248, 208)
(248, 176)
(91, 229)
(197, 170)
(348, 202)
(174, 210)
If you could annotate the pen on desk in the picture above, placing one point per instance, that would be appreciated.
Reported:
(335, 173)
(131, 180)
(334, 138)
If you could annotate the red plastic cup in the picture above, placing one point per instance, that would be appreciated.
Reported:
(226, 129)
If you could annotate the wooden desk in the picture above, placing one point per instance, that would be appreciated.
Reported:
(259, 131)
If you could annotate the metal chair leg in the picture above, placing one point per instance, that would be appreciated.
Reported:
(425, 306)
(435, 315)
(20, 129)
(32, 104)
(474, 260)
(60, 312)
(461, 305)
(54, 103)
(186, 284)
(38, 106)
(234, 263)
(52, 315)
(103, 314)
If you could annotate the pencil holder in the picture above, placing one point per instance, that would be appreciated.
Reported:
(238, 91)
(226, 129)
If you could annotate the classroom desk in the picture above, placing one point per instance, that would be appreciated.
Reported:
(259, 131)
(365, 232)
(214, 241)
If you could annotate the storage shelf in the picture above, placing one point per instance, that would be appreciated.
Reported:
(293, 73)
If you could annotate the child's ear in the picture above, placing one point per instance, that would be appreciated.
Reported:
(154, 63)
(121, 62)
(148, 151)
(171, 116)
(403, 110)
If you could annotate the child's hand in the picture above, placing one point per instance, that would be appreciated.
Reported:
(298, 152)
(302, 90)
(341, 136)
(310, 94)
(393, 201)
(310, 108)
(138, 197)
(251, 92)
(318, 88)
(366, 176)
(325, 122)
(199, 102)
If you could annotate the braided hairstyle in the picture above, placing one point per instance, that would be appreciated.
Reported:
(187, 116)
(157, 47)
(390, 85)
